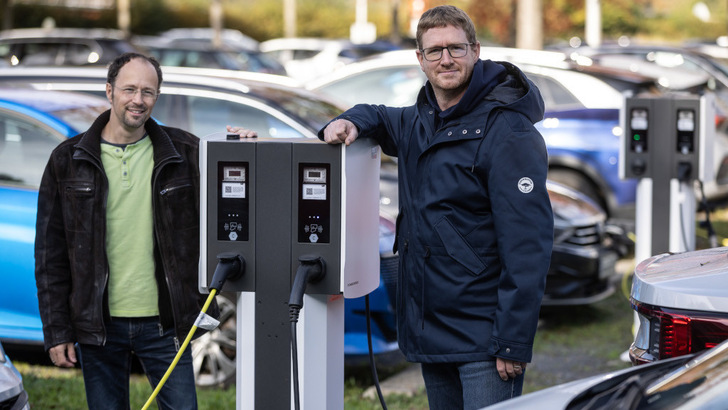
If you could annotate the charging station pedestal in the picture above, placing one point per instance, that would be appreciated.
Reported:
(273, 201)
(667, 144)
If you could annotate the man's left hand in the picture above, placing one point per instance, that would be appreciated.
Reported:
(508, 369)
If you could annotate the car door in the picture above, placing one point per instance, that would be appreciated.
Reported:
(25, 145)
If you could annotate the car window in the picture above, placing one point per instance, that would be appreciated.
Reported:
(24, 150)
(555, 96)
(395, 87)
(203, 116)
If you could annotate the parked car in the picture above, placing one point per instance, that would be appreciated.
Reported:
(61, 46)
(12, 394)
(195, 48)
(32, 123)
(687, 382)
(307, 58)
(681, 303)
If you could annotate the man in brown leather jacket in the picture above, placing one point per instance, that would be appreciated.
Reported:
(117, 245)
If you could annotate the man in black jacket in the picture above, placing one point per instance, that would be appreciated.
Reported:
(117, 245)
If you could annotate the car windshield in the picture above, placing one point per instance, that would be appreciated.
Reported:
(309, 109)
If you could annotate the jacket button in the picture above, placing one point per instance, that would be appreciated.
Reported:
(449, 133)
(508, 349)
(432, 112)
(465, 132)
(477, 131)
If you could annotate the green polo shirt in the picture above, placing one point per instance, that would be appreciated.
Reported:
(130, 229)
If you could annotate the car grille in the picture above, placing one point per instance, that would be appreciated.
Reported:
(584, 235)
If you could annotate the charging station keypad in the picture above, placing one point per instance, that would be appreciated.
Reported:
(314, 219)
(233, 206)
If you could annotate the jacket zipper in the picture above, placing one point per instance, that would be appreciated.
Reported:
(97, 163)
(424, 287)
(155, 207)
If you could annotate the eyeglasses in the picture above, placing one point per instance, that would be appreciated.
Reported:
(130, 92)
(455, 50)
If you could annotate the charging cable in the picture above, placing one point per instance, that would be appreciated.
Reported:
(372, 365)
(230, 265)
(311, 269)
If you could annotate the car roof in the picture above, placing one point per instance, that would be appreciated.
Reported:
(46, 101)
(591, 91)
(26, 33)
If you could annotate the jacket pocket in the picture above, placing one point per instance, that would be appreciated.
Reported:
(179, 201)
(79, 210)
(458, 248)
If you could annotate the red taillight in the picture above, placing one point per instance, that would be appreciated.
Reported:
(675, 335)
(675, 332)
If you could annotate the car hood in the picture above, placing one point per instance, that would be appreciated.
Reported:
(688, 280)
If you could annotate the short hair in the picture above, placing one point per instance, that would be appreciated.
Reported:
(442, 16)
(121, 61)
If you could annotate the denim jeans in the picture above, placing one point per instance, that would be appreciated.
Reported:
(467, 386)
(106, 368)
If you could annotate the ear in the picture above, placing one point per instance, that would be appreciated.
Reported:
(109, 92)
(421, 60)
(476, 50)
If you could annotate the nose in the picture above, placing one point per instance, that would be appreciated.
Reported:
(137, 97)
(446, 57)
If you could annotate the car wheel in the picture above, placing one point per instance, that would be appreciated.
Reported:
(213, 354)
(579, 182)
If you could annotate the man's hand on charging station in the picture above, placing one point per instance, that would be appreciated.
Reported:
(63, 355)
(242, 132)
(339, 131)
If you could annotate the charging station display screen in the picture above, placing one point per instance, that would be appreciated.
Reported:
(314, 204)
(233, 206)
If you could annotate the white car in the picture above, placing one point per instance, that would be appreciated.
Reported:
(307, 58)
(687, 382)
(681, 302)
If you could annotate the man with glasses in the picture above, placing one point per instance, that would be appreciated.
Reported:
(475, 228)
(117, 244)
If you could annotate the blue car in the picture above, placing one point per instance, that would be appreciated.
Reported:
(32, 123)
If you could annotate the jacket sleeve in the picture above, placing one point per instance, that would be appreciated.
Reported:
(52, 268)
(517, 166)
(378, 122)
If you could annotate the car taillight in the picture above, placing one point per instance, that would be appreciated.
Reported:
(676, 332)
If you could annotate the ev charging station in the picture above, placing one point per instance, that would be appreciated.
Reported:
(279, 204)
(667, 144)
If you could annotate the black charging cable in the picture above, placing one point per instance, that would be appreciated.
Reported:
(375, 376)
(311, 269)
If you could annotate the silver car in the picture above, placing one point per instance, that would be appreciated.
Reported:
(12, 394)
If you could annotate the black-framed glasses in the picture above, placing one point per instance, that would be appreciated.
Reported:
(455, 50)
(130, 92)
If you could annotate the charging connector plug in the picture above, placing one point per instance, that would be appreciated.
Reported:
(230, 265)
(311, 270)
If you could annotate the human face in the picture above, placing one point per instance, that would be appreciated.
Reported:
(131, 110)
(448, 76)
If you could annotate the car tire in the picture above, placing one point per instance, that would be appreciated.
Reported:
(576, 180)
(213, 353)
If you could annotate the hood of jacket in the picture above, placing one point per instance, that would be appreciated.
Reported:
(500, 82)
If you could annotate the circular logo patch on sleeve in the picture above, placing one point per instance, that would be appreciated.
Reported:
(525, 185)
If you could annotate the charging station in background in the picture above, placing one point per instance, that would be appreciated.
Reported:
(667, 144)
(273, 201)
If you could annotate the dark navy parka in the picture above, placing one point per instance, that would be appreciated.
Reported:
(475, 228)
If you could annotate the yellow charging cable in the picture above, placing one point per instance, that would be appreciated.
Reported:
(179, 353)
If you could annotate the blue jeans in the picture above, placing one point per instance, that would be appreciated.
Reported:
(106, 368)
(467, 386)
